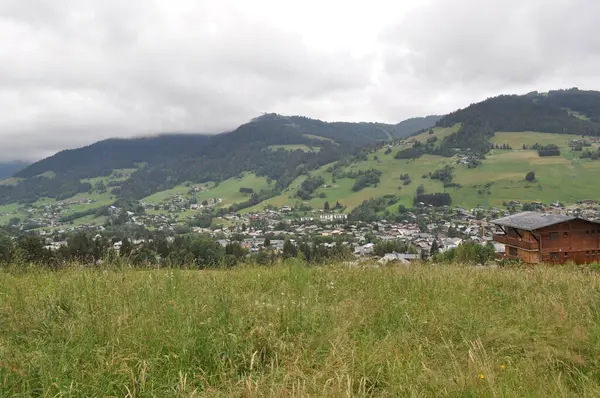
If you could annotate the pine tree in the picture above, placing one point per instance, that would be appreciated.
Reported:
(126, 248)
(435, 248)
(289, 250)
(326, 206)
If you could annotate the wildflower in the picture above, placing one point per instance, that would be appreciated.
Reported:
(503, 366)
(481, 376)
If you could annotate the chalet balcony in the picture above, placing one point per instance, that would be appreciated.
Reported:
(516, 242)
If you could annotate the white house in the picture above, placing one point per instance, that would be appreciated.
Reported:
(333, 216)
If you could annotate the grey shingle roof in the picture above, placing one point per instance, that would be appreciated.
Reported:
(531, 220)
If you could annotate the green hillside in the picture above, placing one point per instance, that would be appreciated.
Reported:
(479, 155)
(500, 178)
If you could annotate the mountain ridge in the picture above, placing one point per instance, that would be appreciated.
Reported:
(281, 149)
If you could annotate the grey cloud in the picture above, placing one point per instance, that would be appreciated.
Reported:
(495, 44)
(76, 71)
(448, 54)
(81, 71)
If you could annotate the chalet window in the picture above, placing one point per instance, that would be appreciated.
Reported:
(553, 235)
(565, 234)
(587, 253)
(512, 251)
(587, 232)
(554, 255)
(566, 255)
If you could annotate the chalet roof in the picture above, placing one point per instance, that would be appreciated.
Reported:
(531, 220)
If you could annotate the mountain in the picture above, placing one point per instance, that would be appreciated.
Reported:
(571, 111)
(478, 155)
(8, 169)
(414, 125)
(275, 146)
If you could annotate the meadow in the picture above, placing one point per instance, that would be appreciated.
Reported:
(300, 147)
(228, 190)
(499, 179)
(424, 330)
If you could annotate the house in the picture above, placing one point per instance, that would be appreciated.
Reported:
(364, 250)
(402, 258)
(553, 238)
(333, 216)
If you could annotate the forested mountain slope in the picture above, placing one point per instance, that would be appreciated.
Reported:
(267, 145)
(563, 112)
(8, 169)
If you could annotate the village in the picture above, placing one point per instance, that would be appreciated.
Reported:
(422, 227)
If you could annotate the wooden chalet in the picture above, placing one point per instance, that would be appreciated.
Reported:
(549, 238)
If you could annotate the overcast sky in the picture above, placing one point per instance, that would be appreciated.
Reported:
(76, 71)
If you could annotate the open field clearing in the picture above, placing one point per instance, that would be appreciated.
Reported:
(300, 147)
(228, 190)
(300, 331)
(439, 132)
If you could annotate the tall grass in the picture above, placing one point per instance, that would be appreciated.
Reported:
(298, 331)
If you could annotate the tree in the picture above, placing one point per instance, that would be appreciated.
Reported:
(289, 249)
(267, 242)
(32, 248)
(326, 206)
(203, 220)
(126, 248)
(6, 249)
(530, 177)
(207, 252)
(435, 248)
(486, 253)
(80, 247)
(420, 190)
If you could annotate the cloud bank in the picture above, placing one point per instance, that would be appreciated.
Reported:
(77, 71)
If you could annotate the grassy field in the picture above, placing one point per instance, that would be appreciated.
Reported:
(439, 132)
(517, 139)
(116, 175)
(318, 137)
(228, 190)
(11, 181)
(298, 331)
(301, 147)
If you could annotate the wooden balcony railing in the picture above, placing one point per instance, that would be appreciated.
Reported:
(516, 242)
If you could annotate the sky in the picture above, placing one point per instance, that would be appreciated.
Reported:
(73, 72)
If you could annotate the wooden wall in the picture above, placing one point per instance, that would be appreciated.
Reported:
(577, 241)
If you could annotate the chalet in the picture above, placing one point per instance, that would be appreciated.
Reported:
(553, 238)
